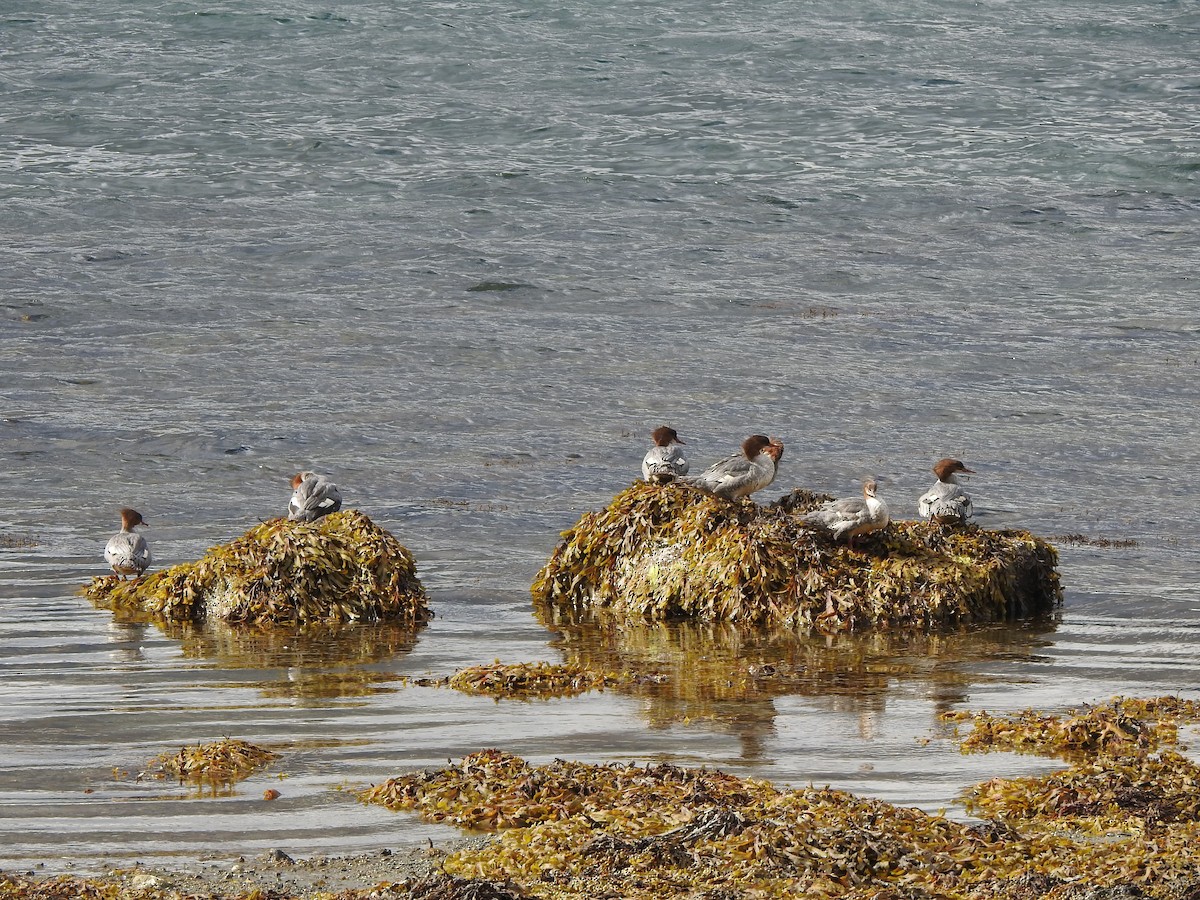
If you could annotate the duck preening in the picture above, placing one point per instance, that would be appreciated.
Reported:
(313, 496)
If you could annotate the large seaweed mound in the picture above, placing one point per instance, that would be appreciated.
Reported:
(669, 552)
(341, 568)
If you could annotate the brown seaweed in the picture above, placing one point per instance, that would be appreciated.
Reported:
(1108, 826)
(527, 680)
(579, 831)
(1118, 727)
(219, 763)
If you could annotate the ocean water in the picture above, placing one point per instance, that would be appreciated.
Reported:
(464, 256)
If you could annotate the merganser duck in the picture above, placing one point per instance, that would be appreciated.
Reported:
(946, 502)
(313, 496)
(742, 473)
(663, 462)
(850, 517)
(127, 551)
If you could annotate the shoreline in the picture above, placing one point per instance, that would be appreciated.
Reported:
(1120, 810)
(275, 873)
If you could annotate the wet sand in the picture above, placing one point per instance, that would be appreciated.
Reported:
(276, 874)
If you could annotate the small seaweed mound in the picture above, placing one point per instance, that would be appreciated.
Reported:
(219, 763)
(525, 680)
(491, 790)
(341, 568)
(660, 553)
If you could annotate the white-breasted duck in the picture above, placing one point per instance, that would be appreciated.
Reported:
(127, 551)
(851, 517)
(946, 502)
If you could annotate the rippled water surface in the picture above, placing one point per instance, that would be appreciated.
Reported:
(464, 257)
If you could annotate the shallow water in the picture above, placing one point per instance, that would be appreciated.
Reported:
(464, 258)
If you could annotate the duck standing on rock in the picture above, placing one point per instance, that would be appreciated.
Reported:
(313, 496)
(946, 502)
(851, 517)
(664, 462)
(742, 473)
(127, 551)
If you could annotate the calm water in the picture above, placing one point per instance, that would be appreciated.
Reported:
(464, 257)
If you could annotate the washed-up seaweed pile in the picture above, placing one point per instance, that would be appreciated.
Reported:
(341, 568)
(1127, 782)
(1132, 801)
(527, 680)
(64, 887)
(1113, 826)
(582, 831)
(219, 763)
(1118, 727)
(669, 552)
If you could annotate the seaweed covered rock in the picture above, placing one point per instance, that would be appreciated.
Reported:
(341, 568)
(658, 553)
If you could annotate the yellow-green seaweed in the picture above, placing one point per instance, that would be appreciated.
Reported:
(1107, 827)
(1117, 727)
(221, 762)
(574, 831)
(669, 552)
(1128, 783)
(1126, 774)
(1105, 795)
(526, 680)
(341, 568)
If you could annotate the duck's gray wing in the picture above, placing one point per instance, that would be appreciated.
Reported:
(716, 474)
(839, 515)
(313, 498)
